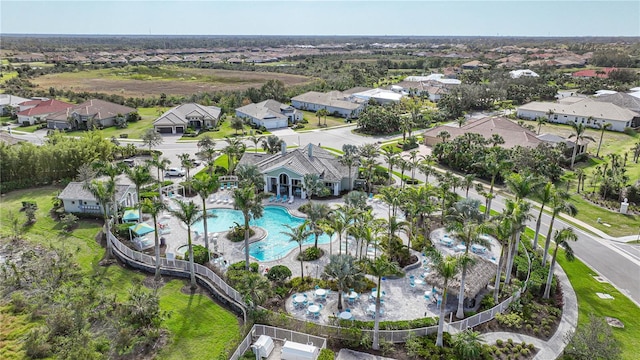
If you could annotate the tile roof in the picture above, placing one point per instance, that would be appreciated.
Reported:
(266, 110)
(512, 133)
(178, 114)
(621, 99)
(76, 190)
(585, 107)
(334, 99)
(99, 109)
(6, 99)
(594, 73)
(44, 107)
(321, 162)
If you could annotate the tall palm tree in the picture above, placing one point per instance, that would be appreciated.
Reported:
(522, 185)
(186, 162)
(390, 157)
(161, 164)
(104, 192)
(494, 167)
(413, 162)
(233, 150)
(112, 171)
(501, 229)
(447, 268)
(519, 212)
(154, 207)
(561, 238)
(189, 214)
(312, 185)
(204, 187)
(560, 202)
(349, 160)
(579, 134)
(543, 195)
(250, 205)
(139, 176)
(391, 195)
(208, 155)
(339, 220)
(602, 127)
(298, 234)
(467, 182)
(207, 142)
(379, 267)
(255, 289)
(346, 273)
(255, 140)
(250, 175)
(322, 113)
(316, 213)
(444, 135)
(541, 121)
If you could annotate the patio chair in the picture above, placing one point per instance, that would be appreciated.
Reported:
(278, 198)
(272, 198)
(291, 199)
(171, 258)
(284, 199)
(351, 301)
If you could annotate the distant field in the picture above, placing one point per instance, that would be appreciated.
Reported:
(142, 81)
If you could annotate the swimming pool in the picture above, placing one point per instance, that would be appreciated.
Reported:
(276, 245)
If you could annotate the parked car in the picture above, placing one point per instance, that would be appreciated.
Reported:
(196, 162)
(175, 172)
(129, 162)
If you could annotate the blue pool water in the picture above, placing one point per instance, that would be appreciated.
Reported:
(275, 245)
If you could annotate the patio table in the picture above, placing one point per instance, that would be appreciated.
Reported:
(345, 315)
(447, 241)
(314, 309)
(419, 282)
(321, 292)
(478, 249)
(352, 295)
(461, 247)
(299, 299)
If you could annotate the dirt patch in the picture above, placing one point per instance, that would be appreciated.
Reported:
(216, 80)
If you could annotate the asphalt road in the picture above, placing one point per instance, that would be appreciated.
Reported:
(617, 262)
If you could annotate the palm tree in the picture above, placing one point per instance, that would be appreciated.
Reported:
(255, 288)
(312, 185)
(112, 171)
(298, 234)
(104, 192)
(447, 268)
(468, 344)
(378, 268)
(444, 135)
(139, 175)
(602, 127)
(390, 157)
(151, 138)
(208, 155)
(250, 175)
(391, 195)
(519, 212)
(339, 220)
(467, 182)
(549, 114)
(579, 134)
(272, 144)
(543, 195)
(255, 140)
(233, 150)
(189, 214)
(501, 229)
(559, 202)
(315, 215)
(346, 273)
(250, 205)
(207, 142)
(413, 161)
(541, 121)
(522, 185)
(161, 164)
(154, 207)
(494, 167)
(561, 238)
(349, 159)
(322, 113)
(205, 186)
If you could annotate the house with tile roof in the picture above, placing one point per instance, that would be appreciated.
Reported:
(9, 103)
(270, 113)
(335, 102)
(512, 133)
(283, 172)
(586, 111)
(36, 110)
(191, 115)
(87, 115)
(77, 199)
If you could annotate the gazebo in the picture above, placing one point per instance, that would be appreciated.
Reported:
(130, 216)
(140, 229)
(478, 277)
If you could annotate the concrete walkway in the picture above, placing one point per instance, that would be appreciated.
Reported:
(554, 347)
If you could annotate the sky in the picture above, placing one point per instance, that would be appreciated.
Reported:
(309, 17)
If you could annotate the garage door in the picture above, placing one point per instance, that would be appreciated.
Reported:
(179, 129)
(165, 130)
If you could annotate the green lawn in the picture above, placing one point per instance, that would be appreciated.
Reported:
(621, 225)
(136, 129)
(199, 327)
(8, 75)
(28, 129)
(224, 131)
(620, 307)
(311, 117)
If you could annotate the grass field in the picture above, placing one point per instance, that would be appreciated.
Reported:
(621, 225)
(620, 307)
(143, 81)
(135, 129)
(311, 117)
(199, 327)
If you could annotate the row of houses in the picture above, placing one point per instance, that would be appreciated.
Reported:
(62, 115)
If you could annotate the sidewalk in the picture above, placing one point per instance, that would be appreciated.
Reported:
(553, 348)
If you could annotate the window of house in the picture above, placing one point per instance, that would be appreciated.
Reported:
(73, 202)
(555, 117)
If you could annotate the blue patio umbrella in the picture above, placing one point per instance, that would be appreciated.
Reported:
(130, 215)
(141, 229)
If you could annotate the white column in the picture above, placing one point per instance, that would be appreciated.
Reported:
(336, 189)
(266, 183)
(290, 187)
(278, 185)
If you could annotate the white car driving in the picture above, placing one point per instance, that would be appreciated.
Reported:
(175, 172)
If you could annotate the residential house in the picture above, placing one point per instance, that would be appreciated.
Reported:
(335, 102)
(191, 115)
(581, 110)
(283, 172)
(556, 140)
(36, 110)
(512, 133)
(380, 96)
(474, 64)
(77, 199)
(621, 99)
(516, 74)
(270, 113)
(603, 74)
(9, 103)
(87, 115)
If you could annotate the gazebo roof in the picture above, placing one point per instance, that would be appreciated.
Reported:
(478, 276)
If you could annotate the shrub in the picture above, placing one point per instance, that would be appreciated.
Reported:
(199, 255)
(68, 222)
(279, 273)
(240, 265)
(326, 354)
(236, 234)
(499, 343)
(487, 302)
(310, 254)
(36, 345)
(124, 136)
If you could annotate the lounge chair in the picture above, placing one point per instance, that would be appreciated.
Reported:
(278, 198)
(271, 199)
(284, 199)
(291, 199)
